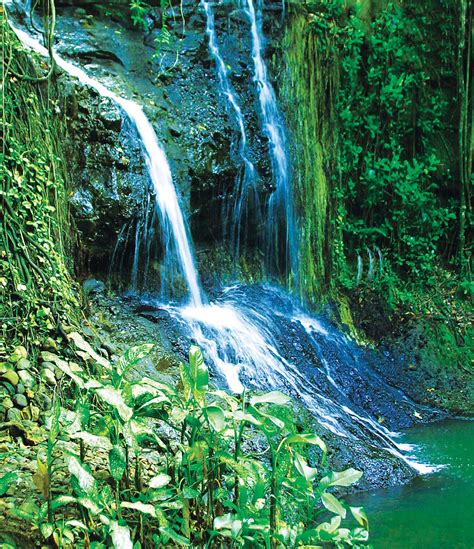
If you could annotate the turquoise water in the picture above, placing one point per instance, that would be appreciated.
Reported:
(435, 511)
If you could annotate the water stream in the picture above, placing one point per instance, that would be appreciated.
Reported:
(281, 225)
(173, 224)
(246, 182)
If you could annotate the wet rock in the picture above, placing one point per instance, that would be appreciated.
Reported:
(23, 364)
(20, 400)
(93, 286)
(27, 379)
(48, 377)
(20, 389)
(44, 400)
(13, 414)
(11, 376)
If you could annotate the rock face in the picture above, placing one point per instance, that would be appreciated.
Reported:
(176, 82)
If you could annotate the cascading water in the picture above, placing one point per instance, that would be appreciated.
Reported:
(257, 337)
(247, 180)
(172, 220)
(281, 225)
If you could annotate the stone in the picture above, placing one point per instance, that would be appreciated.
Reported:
(50, 344)
(27, 379)
(23, 364)
(93, 286)
(13, 414)
(18, 353)
(48, 376)
(35, 412)
(20, 400)
(43, 400)
(20, 388)
(7, 403)
(48, 365)
(11, 376)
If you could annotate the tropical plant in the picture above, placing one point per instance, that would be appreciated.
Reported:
(228, 470)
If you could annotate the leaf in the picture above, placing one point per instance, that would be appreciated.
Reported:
(41, 478)
(94, 441)
(186, 381)
(145, 508)
(46, 530)
(198, 370)
(333, 504)
(216, 418)
(242, 416)
(81, 344)
(54, 429)
(86, 481)
(359, 514)
(132, 356)
(159, 481)
(115, 398)
(117, 462)
(309, 473)
(120, 535)
(5, 482)
(274, 397)
(343, 478)
(308, 438)
(174, 536)
(224, 521)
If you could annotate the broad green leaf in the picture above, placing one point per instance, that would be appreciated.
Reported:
(54, 429)
(343, 478)
(81, 344)
(117, 462)
(186, 381)
(274, 397)
(181, 540)
(331, 526)
(90, 505)
(308, 438)
(198, 370)
(86, 481)
(133, 356)
(115, 398)
(46, 530)
(333, 504)
(242, 416)
(5, 482)
(145, 508)
(94, 441)
(309, 473)
(216, 418)
(224, 521)
(120, 536)
(159, 481)
(359, 514)
(62, 500)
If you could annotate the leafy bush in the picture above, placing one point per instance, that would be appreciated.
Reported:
(228, 471)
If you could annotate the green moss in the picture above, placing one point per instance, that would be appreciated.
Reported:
(37, 292)
(308, 92)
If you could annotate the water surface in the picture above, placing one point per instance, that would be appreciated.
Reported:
(435, 511)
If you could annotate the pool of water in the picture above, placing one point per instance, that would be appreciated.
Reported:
(435, 511)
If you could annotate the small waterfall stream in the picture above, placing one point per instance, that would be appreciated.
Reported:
(247, 180)
(281, 223)
(172, 220)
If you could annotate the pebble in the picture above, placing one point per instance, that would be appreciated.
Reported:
(13, 414)
(7, 403)
(11, 377)
(27, 379)
(20, 400)
(48, 376)
(20, 389)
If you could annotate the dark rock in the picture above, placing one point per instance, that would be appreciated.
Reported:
(93, 286)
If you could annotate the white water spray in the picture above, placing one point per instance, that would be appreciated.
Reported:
(172, 218)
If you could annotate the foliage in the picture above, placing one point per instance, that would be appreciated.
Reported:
(210, 486)
(36, 290)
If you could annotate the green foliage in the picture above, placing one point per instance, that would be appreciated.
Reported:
(138, 12)
(36, 290)
(209, 487)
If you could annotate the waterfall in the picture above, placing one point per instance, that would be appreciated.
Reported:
(246, 181)
(172, 220)
(280, 203)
